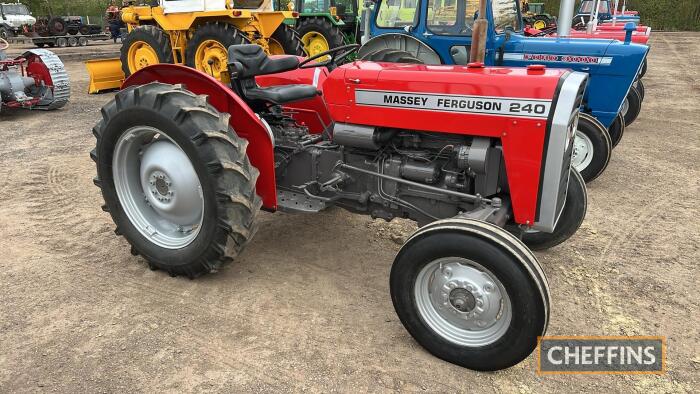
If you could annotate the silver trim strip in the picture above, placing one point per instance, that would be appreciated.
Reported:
(556, 58)
(561, 137)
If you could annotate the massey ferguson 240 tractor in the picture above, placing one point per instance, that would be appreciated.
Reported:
(442, 32)
(35, 80)
(480, 156)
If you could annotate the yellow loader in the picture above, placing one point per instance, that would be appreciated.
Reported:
(196, 33)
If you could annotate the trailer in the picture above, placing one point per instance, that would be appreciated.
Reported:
(69, 40)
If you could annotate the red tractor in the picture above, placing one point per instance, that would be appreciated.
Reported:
(480, 156)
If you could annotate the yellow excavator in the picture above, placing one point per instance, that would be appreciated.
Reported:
(196, 33)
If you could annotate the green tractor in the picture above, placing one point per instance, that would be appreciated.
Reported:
(534, 15)
(324, 24)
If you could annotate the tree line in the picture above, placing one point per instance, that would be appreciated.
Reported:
(659, 14)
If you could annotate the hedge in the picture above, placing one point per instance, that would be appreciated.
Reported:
(669, 15)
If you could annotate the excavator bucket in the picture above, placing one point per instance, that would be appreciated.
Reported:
(105, 74)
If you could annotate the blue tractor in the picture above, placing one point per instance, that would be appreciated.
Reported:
(441, 32)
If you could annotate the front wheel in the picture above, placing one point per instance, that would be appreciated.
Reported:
(145, 46)
(632, 106)
(175, 179)
(592, 148)
(471, 294)
(617, 130)
(570, 220)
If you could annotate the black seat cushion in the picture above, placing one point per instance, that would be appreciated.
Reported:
(250, 60)
(282, 94)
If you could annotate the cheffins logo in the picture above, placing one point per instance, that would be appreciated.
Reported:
(601, 355)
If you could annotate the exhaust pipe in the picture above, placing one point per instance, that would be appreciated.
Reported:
(566, 15)
(366, 22)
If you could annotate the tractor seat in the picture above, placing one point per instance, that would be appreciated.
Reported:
(248, 61)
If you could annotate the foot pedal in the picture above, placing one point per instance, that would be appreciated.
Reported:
(288, 201)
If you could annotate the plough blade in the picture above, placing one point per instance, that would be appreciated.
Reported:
(105, 74)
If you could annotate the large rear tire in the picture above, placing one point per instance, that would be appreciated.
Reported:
(58, 26)
(175, 179)
(207, 50)
(471, 294)
(285, 40)
(145, 46)
(592, 148)
(570, 220)
(319, 35)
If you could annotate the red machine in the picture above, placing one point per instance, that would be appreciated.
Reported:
(480, 156)
(35, 80)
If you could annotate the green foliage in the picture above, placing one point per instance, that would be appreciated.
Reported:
(66, 7)
(659, 14)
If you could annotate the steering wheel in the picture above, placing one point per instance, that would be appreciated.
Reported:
(334, 60)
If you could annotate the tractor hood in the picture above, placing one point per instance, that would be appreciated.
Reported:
(612, 66)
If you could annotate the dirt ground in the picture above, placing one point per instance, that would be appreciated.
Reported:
(307, 307)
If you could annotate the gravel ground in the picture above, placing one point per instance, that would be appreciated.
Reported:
(307, 307)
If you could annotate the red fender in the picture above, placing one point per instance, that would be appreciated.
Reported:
(243, 120)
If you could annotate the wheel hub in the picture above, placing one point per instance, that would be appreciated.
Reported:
(463, 301)
(582, 155)
(158, 187)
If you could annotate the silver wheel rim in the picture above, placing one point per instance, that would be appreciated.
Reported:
(625, 107)
(463, 302)
(583, 151)
(158, 187)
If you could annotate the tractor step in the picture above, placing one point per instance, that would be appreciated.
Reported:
(289, 201)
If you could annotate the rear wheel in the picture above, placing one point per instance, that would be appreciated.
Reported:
(285, 40)
(40, 45)
(145, 46)
(207, 51)
(632, 106)
(175, 179)
(319, 35)
(62, 42)
(57, 26)
(570, 220)
(470, 293)
(540, 22)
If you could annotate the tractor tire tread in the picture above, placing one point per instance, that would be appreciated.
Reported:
(233, 177)
(154, 36)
